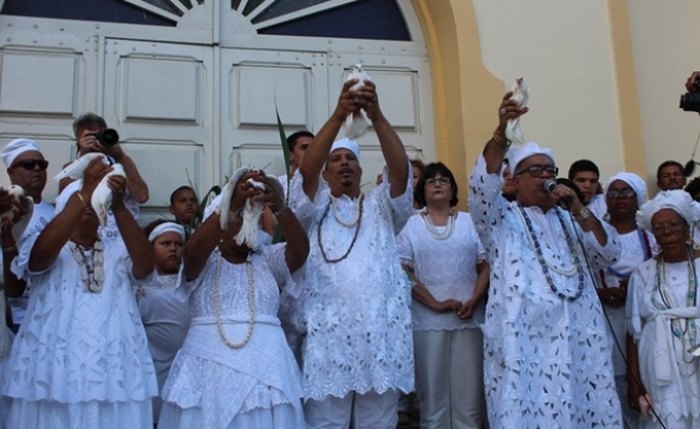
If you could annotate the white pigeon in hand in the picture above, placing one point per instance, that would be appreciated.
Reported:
(357, 123)
(514, 131)
(102, 195)
(8, 217)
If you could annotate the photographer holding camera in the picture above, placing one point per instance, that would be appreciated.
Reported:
(92, 135)
(690, 101)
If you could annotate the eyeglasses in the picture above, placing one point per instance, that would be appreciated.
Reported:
(29, 164)
(437, 180)
(621, 193)
(660, 228)
(535, 170)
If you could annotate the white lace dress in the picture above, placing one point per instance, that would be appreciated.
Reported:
(213, 386)
(165, 313)
(669, 373)
(80, 358)
(547, 359)
(356, 311)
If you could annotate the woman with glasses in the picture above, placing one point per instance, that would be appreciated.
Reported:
(663, 315)
(440, 249)
(626, 192)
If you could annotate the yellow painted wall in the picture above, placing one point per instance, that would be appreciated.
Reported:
(577, 58)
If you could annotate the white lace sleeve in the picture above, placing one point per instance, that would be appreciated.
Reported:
(404, 245)
(600, 256)
(401, 207)
(486, 205)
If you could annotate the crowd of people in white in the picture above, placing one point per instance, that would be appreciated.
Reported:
(305, 301)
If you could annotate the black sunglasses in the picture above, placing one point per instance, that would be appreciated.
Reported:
(29, 164)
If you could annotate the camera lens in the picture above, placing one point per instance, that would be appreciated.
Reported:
(108, 137)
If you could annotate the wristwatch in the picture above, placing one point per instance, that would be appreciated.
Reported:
(584, 214)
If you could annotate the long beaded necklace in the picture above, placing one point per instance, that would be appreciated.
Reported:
(432, 229)
(216, 301)
(687, 334)
(356, 224)
(543, 263)
(92, 275)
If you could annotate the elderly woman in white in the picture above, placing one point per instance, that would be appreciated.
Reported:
(663, 312)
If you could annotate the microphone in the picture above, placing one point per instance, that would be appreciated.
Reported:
(549, 185)
(689, 168)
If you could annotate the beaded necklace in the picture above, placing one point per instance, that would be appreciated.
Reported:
(356, 217)
(543, 263)
(216, 302)
(687, 334)
(92, 275)
(432, 229)
(356, 224)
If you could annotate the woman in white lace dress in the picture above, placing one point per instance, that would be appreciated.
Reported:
(165, 310)
(80, 359)
(664, 316)
(441, 249)
(235, 369)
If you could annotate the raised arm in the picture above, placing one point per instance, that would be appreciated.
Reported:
(317, 154)
(297, 248)
(496, 148)
(59, 230)
(209, 234)
(392, 147)
(136, 242)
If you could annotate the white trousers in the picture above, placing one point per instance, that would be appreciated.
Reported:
(367, 411)
(450, 378)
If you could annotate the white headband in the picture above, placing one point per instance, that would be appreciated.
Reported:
(166, 227)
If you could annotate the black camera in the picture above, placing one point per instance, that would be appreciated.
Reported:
(108, 137)
(690, 101)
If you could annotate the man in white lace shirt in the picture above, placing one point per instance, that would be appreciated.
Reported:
(358, 351)
(547, 356)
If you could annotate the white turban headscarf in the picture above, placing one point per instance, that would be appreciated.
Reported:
(517, 154)
(635, 182)
(15, 148)
(677, 200)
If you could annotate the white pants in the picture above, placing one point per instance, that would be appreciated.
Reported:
(449, 378)
(368, 411)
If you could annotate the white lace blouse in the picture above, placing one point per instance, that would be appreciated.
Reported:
(447, 268)
(357, 310)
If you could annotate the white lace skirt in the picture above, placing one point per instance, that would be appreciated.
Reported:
(91, 414)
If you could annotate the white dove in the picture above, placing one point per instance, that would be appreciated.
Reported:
(357, 123)
(6, 218)
(514, 131)
(102, 195)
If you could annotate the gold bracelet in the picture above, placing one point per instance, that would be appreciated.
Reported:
(82, 200)
(501, 141)
(9, 249)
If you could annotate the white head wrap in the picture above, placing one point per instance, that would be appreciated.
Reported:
(166, 227)
(635, 182)
(677, 200)
(517, 154)
(348, 144)
(15, 148)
